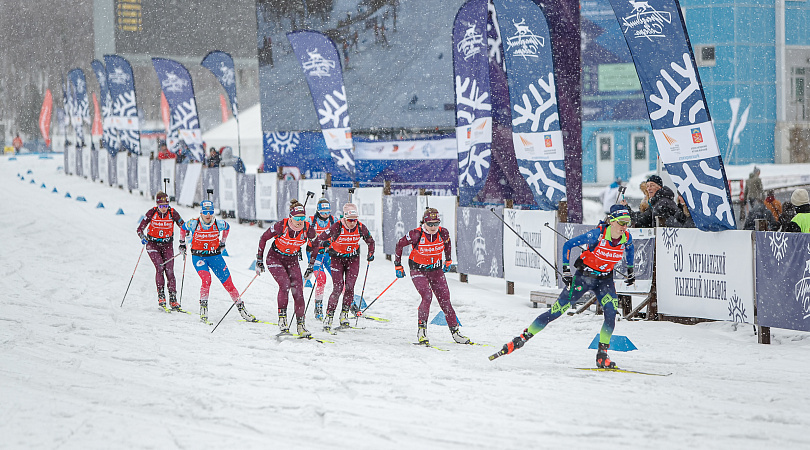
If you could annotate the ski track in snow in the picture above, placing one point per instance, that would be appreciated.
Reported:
(78, 371)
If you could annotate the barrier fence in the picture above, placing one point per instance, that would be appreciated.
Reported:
(755, 277)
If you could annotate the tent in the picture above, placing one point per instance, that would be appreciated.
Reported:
(250, 126)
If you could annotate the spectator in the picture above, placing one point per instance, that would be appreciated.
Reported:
(684, 216)
(229, 160)
(774, 205)
(756, 211)
(183, 152)
(213, 158)
(788, 212)
(645, 202)
(17, 143)
(753, 189)
(610, 194)
(164, 153)
(801, 221)
(662, 204)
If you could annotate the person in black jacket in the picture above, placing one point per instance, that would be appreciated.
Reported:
(662, 203)
(756, 211)
(684, 216)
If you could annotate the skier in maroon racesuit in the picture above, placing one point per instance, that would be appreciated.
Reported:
(343, 240)
(159, 240)
(428, 242)
(282, 262)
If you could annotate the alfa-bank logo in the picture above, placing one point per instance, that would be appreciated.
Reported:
(645, 21)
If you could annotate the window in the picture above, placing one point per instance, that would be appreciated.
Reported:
(640, 147)
(705, 55)
(605, 148)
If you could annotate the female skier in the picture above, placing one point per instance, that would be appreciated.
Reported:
(607, 244)
(343, 240)
(206, 254)
(320, 222)
(282, 262)
(428, 242)
(159, 240)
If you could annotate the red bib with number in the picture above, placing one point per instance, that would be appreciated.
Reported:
(161, 227)
(205, 240)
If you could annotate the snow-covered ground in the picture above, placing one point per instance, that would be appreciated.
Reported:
(79, 371)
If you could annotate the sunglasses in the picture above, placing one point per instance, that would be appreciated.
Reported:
(623, 223)
(351, 220)
(432, 224)
(299, 218)
(163, 205)
(207, 213)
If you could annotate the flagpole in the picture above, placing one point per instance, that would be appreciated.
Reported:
(238, 137)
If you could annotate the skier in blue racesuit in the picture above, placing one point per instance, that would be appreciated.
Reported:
(606, 245)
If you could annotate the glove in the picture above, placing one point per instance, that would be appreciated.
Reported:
(370, 258)
(400, 272)
(566, 276)
(182, 248)
(143, 238)
(308, 273)
(221, 247)
(631, 278)
(447, 265)
(259, 267)
(322, 250)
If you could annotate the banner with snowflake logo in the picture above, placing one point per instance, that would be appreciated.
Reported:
(473, 103)
(783, 280)
(679, 115)
(221, 65)
(107, 139)
(124, 123)
(536, 131)
(80, 104)
(321, 64)
(184, 129)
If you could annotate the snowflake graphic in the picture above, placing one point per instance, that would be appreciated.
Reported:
(713, 189)
(535, 115)
(569, 231)
(542, 183)
(683, 93)
(778, 245)
(473, 161)
(343, 159)
(283, 142)
(335, 106)
(493, 267)
(475, 100)
(670, 237)
(545, 278)
(736, 309)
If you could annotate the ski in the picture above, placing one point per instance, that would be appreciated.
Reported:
(348, 327)
(165, 309)
(469, 343)
(424, 344)
(258, 321)
(283, 334)
(378, 319)
(596, 369)
(500, 353)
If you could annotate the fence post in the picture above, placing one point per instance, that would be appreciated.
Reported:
(763, 333)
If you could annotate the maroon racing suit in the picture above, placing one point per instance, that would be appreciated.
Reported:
(428, 278)
(344, 253)
(159, 243)
(282, 262)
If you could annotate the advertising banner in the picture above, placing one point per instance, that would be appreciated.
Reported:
(473, 103)
(87, 164)
(305, 150)
(143, 175)
(783, 280)
(132, 172)
(103, 166)
(184, 132)
(109, 140)
(210, 180)
(167, 176)
(322, 68)
(705, 275)
(45, 117)
(480, 242)
(79, 162)
(81, 104)
(94, 164)
(369, 202)
(266, 196)
(155, 178)
(684, 132)
(536, 134)
(399, 217)
(124, 122)
(520, 263)
(446, 205)
(112, 169)
(121, 174)
(221, 65)
(337, 198)
(287, 190)
(227, 189)
(246, 185)
(188, 184)
(314, 186)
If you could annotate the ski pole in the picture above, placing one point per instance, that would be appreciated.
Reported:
(182, 280)
(133, 275)
(362, 293)
(308, 300)
(563, 236)
(378, 297)
(234, 303)
(170, 259)
(524, 241)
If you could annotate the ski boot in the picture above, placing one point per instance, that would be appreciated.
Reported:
(175, 305)
(517, 342)
(204, 310)
(161, 298)
(421, 333)
(302, 331)
(602, 359)
(327, 321)
(283, 326)
(344, 318)
(245, 315)
(319, 310)
(458, 337)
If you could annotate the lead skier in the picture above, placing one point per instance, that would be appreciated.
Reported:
(343, 242)
(159, 240)
(206, 254)
(606, 245)
(282, 262)
(320, 222)
(428, 242)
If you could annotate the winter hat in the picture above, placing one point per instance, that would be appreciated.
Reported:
(799, 197)
(161, 198)
(656, 179)
(618, 212)
(296, 208)
(324, 206)
(431, 215)
(207, 206)
(350, 211)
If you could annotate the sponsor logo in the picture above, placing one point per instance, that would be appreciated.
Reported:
(524, 42)
(527, 144)
(472, 43)
(317, 65)
(227, 77)
(399, 225)
(547, 139)
(669, 138)
(697, 136)
(119, 76)
(469, 132)
(348, 134)
(79, 85)
(644, 21)
(173, 83)
(479, 244)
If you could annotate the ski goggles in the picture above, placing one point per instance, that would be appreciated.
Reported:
(207, 213)
(350, 220)
(298, 218)
(625, 222)
(162, 205)
(433, 224)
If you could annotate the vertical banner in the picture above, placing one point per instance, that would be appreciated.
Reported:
(175, 82)
(96, 129)
(221, 65)
(520, 263)
(125, 125)
(399, 216)
(79, 161)
(473, 106)
(246, 185)
(210, 180)
(321, 64)
(103, 166)
(369, 203)
(188, 185)
(266, 196)
(480, 242)
(287, 190)
(121, 173)
(536, 133)
(679, 115)
(45, 117)
(783, 280)
(87, 163)
(66, 104)
(94, 164)
(143, 174)
(155, 180)
(108, 138)
(132, 172)
(337, 198)
(167, 171)
(227, 189)
(81, 104)
(314, 186)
